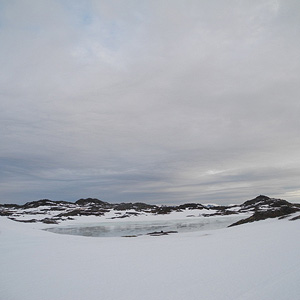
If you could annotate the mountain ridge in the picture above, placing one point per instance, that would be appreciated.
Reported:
(262, 207)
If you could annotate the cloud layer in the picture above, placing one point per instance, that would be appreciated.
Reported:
(153, 101)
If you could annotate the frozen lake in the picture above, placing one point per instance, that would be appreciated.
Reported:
(135, 228)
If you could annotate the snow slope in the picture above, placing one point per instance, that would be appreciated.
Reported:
(259, 261)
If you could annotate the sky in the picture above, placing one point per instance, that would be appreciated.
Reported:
(162, 102)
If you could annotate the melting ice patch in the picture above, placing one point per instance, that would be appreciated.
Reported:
(135, 228)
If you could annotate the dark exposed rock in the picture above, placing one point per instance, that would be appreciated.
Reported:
(159, 233)
(295, 218)
(191, 206)
(90, 201)
(123, 206)
(35, 204)
(6, 213)
(168, 209)
(81, 212)
(56, 208)
(218, 207)
(74, 212)
(138, 206)
(10, 206)
(221, 213)
(49, 221)
(164, 210)
(262, 215)
(120, 217)
(126, 215)
(264, 200)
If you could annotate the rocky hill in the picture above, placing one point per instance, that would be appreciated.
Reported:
(53, 212)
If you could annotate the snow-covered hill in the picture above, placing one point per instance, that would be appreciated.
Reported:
(54, 212)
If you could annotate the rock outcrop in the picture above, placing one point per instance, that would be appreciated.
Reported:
(53, 212)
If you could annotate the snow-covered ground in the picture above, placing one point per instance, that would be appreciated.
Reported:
(259, 261)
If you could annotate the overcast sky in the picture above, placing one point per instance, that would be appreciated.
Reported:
(161, 101)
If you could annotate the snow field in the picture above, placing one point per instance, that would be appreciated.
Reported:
(252, 261)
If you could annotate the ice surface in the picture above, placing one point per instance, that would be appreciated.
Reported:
(119, 228)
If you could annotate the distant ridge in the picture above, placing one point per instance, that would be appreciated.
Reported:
(52, 212)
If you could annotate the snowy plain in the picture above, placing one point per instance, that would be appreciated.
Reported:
(259, 260)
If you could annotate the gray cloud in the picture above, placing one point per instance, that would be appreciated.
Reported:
(162, 102)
